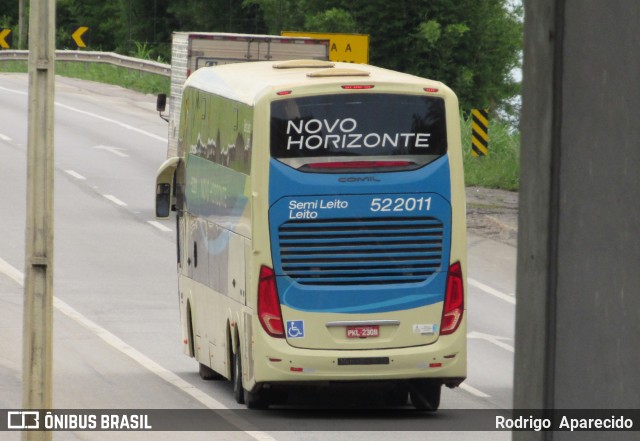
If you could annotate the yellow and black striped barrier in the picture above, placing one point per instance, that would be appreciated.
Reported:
(480, 132)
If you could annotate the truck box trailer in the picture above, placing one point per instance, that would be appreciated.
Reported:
(193, 50)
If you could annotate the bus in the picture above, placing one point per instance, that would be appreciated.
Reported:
(321, 229)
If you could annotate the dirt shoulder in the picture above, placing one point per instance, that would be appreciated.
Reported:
(493, 214)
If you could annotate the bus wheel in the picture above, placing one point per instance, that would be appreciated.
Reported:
(206, 373)
(254, 400)
(260, 399)
(425, 394)
(238, 389)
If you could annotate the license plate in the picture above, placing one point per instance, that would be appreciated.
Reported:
(363, 331)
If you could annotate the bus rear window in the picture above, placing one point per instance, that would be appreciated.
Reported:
(358, 125)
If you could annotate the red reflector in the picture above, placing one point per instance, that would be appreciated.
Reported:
(295, 369)
(284, 92)
(435, 365)
(430, 89)
(268, 303)
(453, 300)
(358, 86)
(360, 164)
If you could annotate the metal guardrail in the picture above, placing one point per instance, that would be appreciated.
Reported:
(97, 57)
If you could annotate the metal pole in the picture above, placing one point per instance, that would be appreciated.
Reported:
(38, 293)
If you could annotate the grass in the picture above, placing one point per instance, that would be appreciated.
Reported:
(500, 169)
(102, 73)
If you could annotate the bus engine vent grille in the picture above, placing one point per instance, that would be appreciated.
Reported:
(361, 251)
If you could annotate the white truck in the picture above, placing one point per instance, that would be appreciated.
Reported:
(193, 50)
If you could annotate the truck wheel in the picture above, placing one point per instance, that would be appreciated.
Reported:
(425, 394)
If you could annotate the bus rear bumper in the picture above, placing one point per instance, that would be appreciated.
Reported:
(275, 361)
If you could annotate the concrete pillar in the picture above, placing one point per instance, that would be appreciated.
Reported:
(38, 289)
(578, 287)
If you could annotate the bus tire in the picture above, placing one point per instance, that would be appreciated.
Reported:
(425, 394)
(238, 388)
(258, 400)
(253, 400)
(206, 373)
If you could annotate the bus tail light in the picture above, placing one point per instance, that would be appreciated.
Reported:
(453, 300)
(358, 86)
(359, 164)
(268, 303)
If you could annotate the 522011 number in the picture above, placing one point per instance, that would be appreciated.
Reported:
(400, 204)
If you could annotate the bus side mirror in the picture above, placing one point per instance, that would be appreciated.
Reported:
(161, 105)
(161, 102)
(165, 196)
(163, 200)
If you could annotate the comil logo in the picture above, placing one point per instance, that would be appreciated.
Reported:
(21, 420)
(357, 179)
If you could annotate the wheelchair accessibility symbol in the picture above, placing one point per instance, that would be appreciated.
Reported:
(295, 329)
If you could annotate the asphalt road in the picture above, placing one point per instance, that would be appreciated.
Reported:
(116, 324)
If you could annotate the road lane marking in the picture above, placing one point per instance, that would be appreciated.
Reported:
(113, 121)
(11, 271)
(75, 174)
(144, 361)
(159, 226)
(100, 117)
(492, 291)
(473, 391)
(115, 150)
(496, 340)
(115, 200)
(4, 137)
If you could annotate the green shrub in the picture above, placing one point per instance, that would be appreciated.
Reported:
(501, 167)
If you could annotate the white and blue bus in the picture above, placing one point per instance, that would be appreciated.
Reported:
(321, 229)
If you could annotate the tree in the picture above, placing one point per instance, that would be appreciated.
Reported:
(332, 20)
(97, 15)
(139, 24)
(8, 13)
(471, 45)
(217, 16)
(284, 15)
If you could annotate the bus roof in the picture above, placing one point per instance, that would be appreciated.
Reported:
(245, 82)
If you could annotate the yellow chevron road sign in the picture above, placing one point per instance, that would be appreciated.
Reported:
(5, 38)
(77, 36)
(480, 132)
